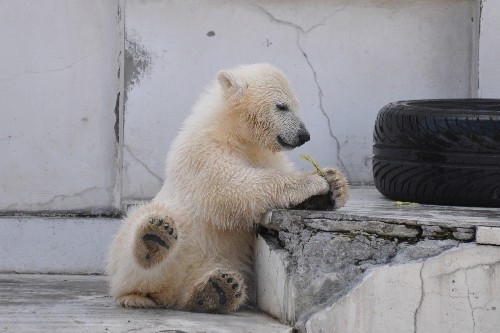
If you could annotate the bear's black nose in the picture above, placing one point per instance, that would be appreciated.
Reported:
(304, 137)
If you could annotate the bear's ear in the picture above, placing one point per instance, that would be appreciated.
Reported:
(230, 83)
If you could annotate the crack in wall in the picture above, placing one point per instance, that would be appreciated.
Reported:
(301, 31)
(291, 24)
(465, 268)
(52, 200)
(321, 107)
(119, 109)
(151, 172)
(116, 111)
(470, 303)
(422, 295)
(57, 69)
(478, 92)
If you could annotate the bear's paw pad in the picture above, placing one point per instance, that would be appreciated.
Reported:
(223, 292)
(155, 239)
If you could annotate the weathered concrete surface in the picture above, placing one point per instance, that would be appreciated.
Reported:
(457, 291)
(64, 303)
(384, 290)
(324, 255)
(60, 101)
(276, 293)
(367, 204)
(322, 266)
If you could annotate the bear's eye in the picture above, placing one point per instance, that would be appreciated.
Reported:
(282, 106)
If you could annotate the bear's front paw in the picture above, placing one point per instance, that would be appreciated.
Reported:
(317, 195)
(317, 185)
(339, 188)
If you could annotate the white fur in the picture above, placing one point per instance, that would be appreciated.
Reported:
(224, 171)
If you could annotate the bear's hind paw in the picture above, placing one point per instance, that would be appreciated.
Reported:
(222, 292)
(154, 240)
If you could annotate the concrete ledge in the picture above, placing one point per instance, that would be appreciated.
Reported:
(55, 244)
(326, 255)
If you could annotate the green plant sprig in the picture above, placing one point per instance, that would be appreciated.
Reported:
(313, 162)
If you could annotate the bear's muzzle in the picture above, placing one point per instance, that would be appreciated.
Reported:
(299, 139)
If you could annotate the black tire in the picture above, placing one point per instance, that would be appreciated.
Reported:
(444, 152)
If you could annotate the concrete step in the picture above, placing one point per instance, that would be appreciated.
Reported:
(65, 245)
(75, 303)
(310, 268)
(378, 265)
(79, 245)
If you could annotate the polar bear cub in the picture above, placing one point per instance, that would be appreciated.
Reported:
(191, 247)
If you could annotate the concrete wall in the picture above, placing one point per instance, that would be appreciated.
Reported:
(346, 60)
(85, 81)
(457, 291)
(59, 98)
(489, 50)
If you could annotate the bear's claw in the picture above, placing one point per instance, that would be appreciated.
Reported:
(222, 292)
(334, 199)
(339, 187)
(154, 240)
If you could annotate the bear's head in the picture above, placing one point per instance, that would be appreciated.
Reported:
(262, 99)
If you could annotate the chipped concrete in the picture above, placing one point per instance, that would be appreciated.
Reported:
(315, 260)
(456, 291)
(325, 265)
(488, 235)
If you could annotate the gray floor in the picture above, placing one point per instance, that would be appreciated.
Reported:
(68, 303)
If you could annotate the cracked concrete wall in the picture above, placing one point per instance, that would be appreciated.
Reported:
(317, 269)
(346, 59)
(60, 102)
(66, 92)
(323, 265)
(457, 291)
(389, 281)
